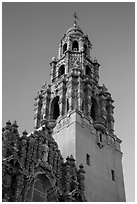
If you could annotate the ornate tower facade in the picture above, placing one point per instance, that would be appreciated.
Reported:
(83, 112)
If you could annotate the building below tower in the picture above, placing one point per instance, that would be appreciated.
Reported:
(33, 169)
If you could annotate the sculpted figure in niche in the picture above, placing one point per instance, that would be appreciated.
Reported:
(45, 151)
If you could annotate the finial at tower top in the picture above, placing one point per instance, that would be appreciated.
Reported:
(76, 17)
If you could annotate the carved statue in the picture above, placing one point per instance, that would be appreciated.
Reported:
(45, 151)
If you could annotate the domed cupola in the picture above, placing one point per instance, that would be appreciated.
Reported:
(75, 29)
(74, 56)
(75, 41)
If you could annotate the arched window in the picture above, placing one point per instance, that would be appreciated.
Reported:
(37, 190)
(61, 70)
(75, 46)
(88, 71)
(64, 47)
(39, 193)
(93, 112)
(55, 112)
(85, 48)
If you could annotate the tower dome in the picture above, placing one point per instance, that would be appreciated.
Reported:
(74, 29)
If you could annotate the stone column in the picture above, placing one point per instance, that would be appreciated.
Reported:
(60, 50)
(70, 93)
(5, 139)
(47, 101)
(53, 68)
(38, 106)
(30, 152)
(23, 148)
(69, 43)
(80, 93)
(40, 142)
(110, 112)
(96, 70)
(103, 112)
(88, 100)
(67, 63)
(55, 159)
(51, 154)
(81, 178)
(6, 185)
(67, 177)
(19, 187)
(59, 172)
(61, 104)
(81, 45)
(83, 62)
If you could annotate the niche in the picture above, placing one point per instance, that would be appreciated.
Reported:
(55, 111)
(61, 70)
(75, 46)
(64, 47)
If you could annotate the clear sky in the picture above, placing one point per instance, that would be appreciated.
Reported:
(31, 34)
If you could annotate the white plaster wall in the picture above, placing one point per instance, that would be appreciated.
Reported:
(65, 137)
(79, 140)
(98, 182)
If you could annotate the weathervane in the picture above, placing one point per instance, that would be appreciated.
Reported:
(76, 17)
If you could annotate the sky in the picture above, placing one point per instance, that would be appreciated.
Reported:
(31, 33)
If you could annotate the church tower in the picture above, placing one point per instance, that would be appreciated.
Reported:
(83, 112)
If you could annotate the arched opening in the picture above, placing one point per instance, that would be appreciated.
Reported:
(38, 189)
(75, 46)
(39, 193)
(88, 71)
(64, 47)
(55, 112)
(93, 112)
(61, 70)
(85, 48)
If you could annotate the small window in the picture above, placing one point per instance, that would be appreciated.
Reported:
(113, 174)
(75, 46)
(61, 70)
(64, 47)
(88, 159)
(88, 71)
(100, 136)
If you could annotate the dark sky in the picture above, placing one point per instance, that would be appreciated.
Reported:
(31, 33)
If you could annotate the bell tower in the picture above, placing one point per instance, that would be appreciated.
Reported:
(83, 112)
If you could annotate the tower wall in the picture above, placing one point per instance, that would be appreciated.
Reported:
(76, 135)
(64, 135)
(83, 113)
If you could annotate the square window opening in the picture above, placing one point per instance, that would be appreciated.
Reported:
(88, 159)
(113, 174)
